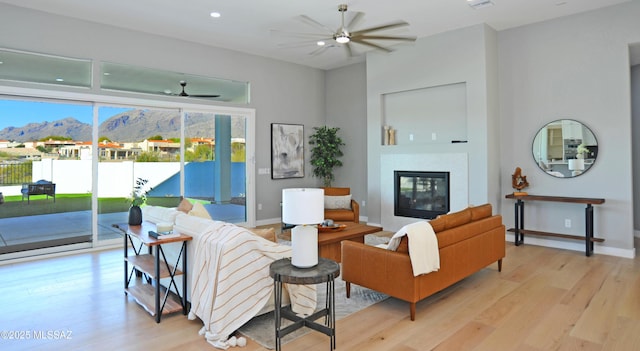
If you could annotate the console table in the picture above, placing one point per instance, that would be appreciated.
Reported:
(148, 268)
(588, 237)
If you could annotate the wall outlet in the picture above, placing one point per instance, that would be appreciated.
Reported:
(567, 223)
(410, 137)
(433, 136)
(364, 203)
(259, 207)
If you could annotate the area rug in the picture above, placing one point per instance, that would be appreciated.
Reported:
(261, 329)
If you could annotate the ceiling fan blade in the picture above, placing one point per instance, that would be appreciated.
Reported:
(382, 37)
(319, 50)
(316, 24)
(355, 20)
(382, 27)
(375, 46)
(300, 44)
(299, 35)
(204, 96)
(349, 50)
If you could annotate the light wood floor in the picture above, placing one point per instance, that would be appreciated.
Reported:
(544, 299)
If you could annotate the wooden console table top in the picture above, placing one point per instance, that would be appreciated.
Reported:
(588, 237)
(575, 200)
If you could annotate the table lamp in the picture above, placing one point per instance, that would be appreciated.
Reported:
(303, 207)
(576, 166)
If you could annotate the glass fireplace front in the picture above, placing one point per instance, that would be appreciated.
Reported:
(421, 194)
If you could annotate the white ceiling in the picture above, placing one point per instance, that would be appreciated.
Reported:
(248, 25)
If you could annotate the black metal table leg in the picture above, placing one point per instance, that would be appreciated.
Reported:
(588, 236)
(519, 222)
(157, 282)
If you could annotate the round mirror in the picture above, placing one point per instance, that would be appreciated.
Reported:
(565, 148)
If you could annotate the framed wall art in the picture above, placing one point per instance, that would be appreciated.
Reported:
(287, 151)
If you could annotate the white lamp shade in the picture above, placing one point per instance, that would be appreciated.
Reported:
(303, 205)
(576, 164)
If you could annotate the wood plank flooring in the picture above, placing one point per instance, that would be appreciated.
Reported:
(544, 299)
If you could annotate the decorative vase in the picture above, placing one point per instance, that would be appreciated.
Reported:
(135, 215)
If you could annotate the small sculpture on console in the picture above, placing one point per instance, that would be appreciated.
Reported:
(519, 182)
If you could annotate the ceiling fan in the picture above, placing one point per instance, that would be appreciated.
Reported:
(183, 84)
(347, 35)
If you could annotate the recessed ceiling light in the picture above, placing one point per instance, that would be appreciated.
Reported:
(106, 73)
(215, 14)
(59, 80)
(320, 43)
(478, 4)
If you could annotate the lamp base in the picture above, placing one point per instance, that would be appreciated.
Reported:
(304, 246)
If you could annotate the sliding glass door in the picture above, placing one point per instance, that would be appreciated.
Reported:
(44, 180)
(135, 145)
(215, 164)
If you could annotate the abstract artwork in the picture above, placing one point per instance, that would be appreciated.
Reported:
(287, 151)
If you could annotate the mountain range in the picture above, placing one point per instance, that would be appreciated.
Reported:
(130, 126)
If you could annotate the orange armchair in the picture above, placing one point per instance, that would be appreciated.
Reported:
(351, 214)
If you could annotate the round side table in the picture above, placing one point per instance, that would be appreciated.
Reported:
(282, 271)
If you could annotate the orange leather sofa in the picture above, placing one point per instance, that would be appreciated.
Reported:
(468, 241)
(342, 215)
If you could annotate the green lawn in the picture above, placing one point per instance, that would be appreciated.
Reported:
(14, 206)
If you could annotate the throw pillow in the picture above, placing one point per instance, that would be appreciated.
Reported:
(198, 210)
(185, 206)
(337, 202)
(266, 233)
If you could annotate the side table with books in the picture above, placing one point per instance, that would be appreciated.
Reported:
(142, 279)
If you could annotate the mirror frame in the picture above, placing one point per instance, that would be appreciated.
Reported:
(562, 157)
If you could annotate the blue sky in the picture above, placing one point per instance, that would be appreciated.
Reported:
(16, 113)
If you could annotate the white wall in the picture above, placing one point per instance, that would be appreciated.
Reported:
(635, 144)
(432, 62)
(575, 67)
(280, 92)
(346, 90)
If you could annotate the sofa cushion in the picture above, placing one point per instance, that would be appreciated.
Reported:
(457, 219)
(479, 212)
(438, 223)
(157, 214)
(337, 202)
(198, 210)
(190, 225)
(185, 206)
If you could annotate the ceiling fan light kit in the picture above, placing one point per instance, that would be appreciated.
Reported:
(346, 35)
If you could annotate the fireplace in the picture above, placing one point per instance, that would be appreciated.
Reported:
(421, 194)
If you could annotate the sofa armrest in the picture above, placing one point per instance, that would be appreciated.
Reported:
(386, 271)
(356, 210)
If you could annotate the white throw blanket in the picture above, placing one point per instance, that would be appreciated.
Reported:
(423, 246)
(231, 282)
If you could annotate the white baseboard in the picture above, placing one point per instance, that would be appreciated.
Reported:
(574, 246)
(268, 221)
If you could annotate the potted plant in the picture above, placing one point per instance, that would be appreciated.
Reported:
(325, 153)
(137, 199)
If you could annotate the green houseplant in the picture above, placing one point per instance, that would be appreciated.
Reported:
(325, 152)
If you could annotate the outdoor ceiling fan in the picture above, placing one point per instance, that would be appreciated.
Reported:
(183, 84)
(346, 35)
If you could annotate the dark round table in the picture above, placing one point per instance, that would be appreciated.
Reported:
(282, 271)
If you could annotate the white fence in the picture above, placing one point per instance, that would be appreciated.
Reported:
(115, 179)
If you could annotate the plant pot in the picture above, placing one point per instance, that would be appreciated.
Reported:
(135, 215)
